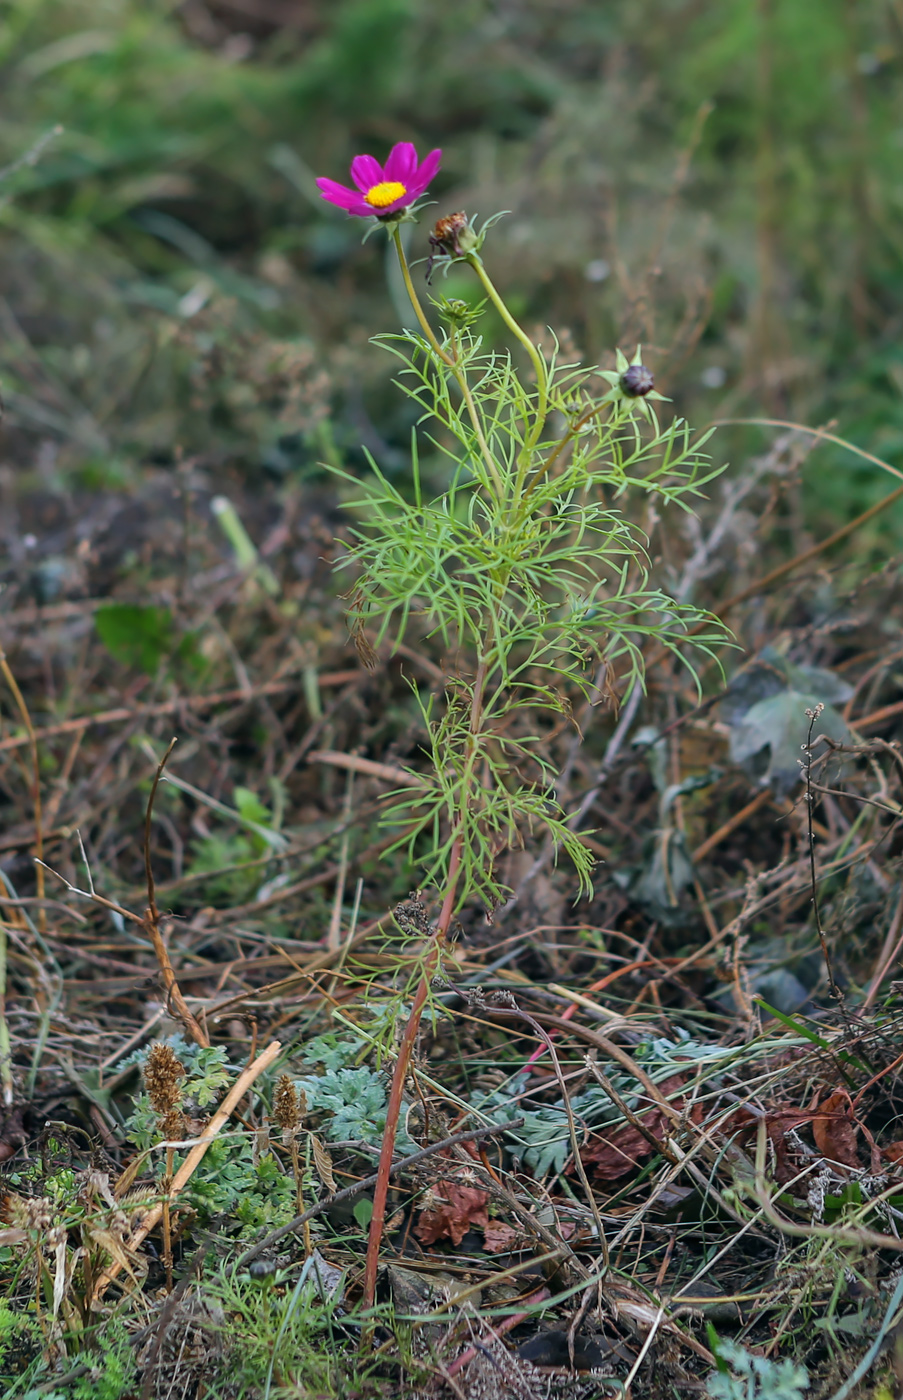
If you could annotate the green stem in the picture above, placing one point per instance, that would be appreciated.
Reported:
(452, 363)
(419, 312)
(539, 364)
(562, 443)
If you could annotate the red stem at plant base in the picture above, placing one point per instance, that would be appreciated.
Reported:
(400, 1074)
(408, 1040)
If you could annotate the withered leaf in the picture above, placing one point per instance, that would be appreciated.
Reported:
(618, 1152)
(323, 1163)
(499, 1238)
(457, 1209)
(779, 1120)
(612, 1154)
(834, 1129)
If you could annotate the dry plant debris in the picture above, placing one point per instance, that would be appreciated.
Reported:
(661, 1128)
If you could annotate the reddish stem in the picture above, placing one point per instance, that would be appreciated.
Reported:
(409, 1039)
(504, 1326)
(400, 1074)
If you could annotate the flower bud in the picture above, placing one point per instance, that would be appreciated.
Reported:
(637, 381)
(458, 314)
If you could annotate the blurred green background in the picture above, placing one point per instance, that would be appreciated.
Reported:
(717, 179)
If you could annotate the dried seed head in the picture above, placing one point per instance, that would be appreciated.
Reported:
(172, 1125)
(162, 1072)
(454, 236)
(285, 1104)
(32, 1213)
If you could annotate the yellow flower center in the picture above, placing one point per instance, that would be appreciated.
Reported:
(385, 193)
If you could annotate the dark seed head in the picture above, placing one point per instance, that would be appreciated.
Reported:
(636, 381)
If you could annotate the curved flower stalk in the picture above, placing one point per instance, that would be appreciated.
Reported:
(523, 565)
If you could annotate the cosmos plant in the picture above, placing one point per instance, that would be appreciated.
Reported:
(523, 565)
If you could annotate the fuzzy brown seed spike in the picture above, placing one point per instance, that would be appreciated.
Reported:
(172, 1125)
(162, 1072)
(285, 1104)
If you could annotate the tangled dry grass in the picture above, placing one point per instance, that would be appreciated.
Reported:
(663, 1115)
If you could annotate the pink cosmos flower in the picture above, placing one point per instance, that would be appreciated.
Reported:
(384, 189)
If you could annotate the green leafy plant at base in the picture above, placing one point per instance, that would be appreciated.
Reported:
(20, 1342)
(250, 1187)
(111, 1372)
(60, 1242)
(353, 1102)
(287, 1338)
(207, 1072)
(756, 1377)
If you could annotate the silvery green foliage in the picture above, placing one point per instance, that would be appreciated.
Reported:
(756, 1377)
(337, 1049)
(353, 1105)
(543, 1142)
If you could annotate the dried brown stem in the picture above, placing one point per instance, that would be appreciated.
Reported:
(31, 739)
(400, 1074)
(152, 923)
(173, 707)
(409, 1039)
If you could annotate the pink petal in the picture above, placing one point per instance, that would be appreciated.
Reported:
(366, 172)
(343, 197)
(428, 169)
(330, 189)
(402, 163)
(340, 195)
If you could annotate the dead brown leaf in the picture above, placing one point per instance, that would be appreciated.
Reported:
(499, 1238)
(780, 1119)
(455, 1209)
(611, 1154)
(834, 1129)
